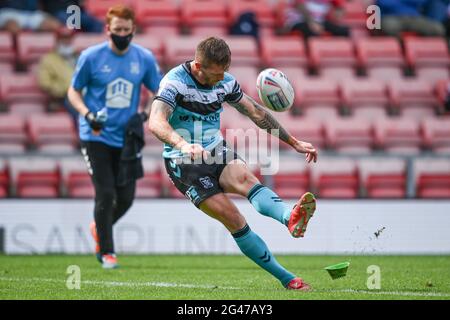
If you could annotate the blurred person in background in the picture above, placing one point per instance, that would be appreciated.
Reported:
(105, 90)
(56, 69)
(58, 9)
(17, 15)
(316, 17)
(416, 16)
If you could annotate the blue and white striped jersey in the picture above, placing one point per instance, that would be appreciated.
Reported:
(196, 108)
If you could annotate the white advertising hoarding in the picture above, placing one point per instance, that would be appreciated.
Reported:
(176, 226)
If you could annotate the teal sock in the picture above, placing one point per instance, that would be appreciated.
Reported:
(254, 247)
(268, 203)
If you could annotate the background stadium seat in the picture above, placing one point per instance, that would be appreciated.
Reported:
(32, 46)
(151, 185)
(246, 77)
(53, 132)
(332, 57)
(381, 57)
(279, 52)
(262, 9)
(335, 178)
(35, 177)
(75, 177)
(316, 94)
(180, 49)
(383, 177)
(436, 134)
(413, 98)
(82, 41)
(204, 13)
(7, 53)
(20, 88)
(157, 13)
(365, 97)
(4, 179)
(153, 43)
(13, 135)
(398, 135)
(349, 135)
(432, 177)
(292, 178)
(244, 51)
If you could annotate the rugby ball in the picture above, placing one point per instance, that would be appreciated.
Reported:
(275, 90)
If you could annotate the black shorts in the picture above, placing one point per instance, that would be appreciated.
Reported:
(199, 181)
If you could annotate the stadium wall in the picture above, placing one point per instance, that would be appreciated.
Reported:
(175, 226)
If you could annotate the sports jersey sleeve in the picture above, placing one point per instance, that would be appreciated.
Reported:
(152, 75)
(80, 78)
(168, 92)
(235, 93)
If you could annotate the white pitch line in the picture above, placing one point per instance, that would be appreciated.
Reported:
(124, 284)
(210, 287)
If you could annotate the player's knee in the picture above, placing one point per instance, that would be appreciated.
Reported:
(247, 179)
(105, 195)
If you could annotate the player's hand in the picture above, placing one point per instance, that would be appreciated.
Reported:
(91, 119)
(195, 151)
(307, 148)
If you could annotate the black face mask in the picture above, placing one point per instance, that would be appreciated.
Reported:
(121, 42)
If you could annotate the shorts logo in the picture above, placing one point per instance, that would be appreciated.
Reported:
(192, 194)
(206, 182)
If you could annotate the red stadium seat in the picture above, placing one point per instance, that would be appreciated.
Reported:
(157, 13)
(398, 136)
(150, 186)
(349, 135)
(53, 131)
(26, 109)
(304, 128)
(244, 51)
(4, 179)
(35, 177)
(17, 87)
(7, 53)
(279, 52)
(331, 52)
(426, 52)
(152, 43)
(206, 13)
(383, 177)
(365, 94)
(432, 178)
(82, 41)
(12, 131)
(442, 90)
(335, 178)
(246, 76)
(162, 31)
(292, 178)
(413, 98)
(99, 8)
(355, 15)
(379, 52)
(381, 57)
(311, 93)
(204, 31)
(32, 46)
(294, 74)
(180, 49)
(436, 132)
(262, 8)
(76, 179)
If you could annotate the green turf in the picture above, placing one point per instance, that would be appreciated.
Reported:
(221, 277)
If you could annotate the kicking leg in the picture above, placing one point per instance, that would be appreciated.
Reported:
(220, 207)
(237, 178)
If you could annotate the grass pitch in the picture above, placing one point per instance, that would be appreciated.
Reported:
(221, 277)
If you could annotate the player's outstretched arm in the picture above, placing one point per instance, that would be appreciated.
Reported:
(263, 119)
(161, 128)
